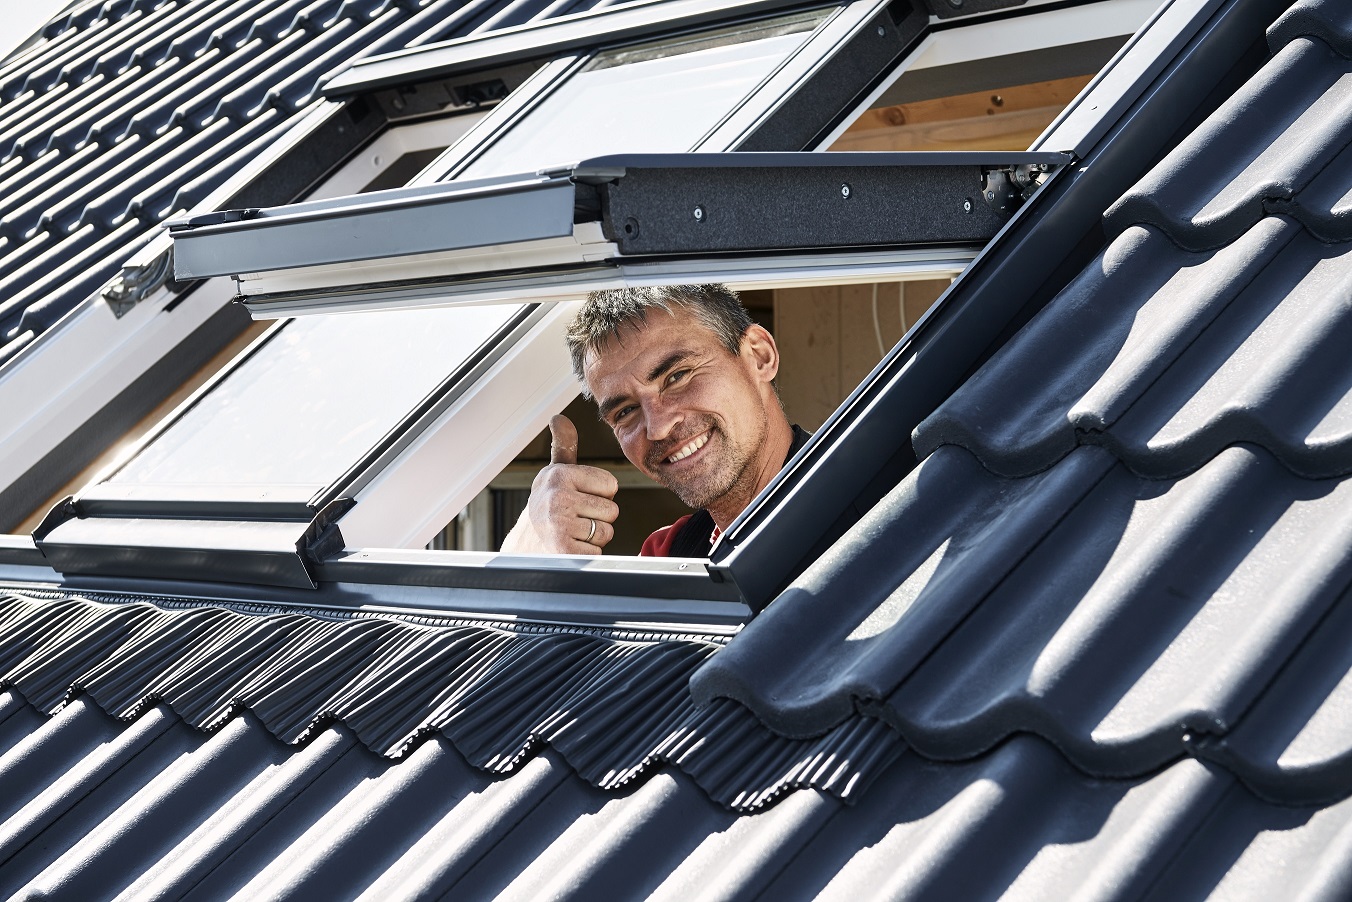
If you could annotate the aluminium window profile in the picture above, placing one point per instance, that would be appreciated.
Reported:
(600, 222)
(842, 57)
(401, 222)
(566, 34)
(744, 273)
(279, 552)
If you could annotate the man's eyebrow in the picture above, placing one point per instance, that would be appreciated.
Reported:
(668, 362)
(603, 408)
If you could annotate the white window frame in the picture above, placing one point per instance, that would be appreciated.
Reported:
(79, 365)
(455, 476)
(410, 496)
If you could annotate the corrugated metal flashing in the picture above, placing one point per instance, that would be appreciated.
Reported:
(612, 705)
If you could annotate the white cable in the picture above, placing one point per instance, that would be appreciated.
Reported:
(877, 327)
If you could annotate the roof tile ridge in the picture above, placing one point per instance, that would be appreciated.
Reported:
(1329, 21)
(1165, 197)
(768, 767)
(1233, 428)
(1275, 781)
(950, 423)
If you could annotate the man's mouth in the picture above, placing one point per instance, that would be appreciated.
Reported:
(689, 448)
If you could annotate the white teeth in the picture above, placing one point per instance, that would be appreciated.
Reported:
(689, 449)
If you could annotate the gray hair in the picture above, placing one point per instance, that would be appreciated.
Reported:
(605, 313)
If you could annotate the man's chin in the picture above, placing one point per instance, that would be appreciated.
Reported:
(696, 493)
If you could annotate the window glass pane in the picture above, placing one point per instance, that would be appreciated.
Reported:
(315, 398)
(998, 103)
(646, 99)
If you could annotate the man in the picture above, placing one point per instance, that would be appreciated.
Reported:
(685, 380)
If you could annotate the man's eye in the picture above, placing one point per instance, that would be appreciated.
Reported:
(677, 376)
(621, 415)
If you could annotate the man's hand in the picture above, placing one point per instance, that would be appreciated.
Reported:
(571, 510)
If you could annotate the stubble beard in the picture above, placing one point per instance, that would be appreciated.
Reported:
(717, 479)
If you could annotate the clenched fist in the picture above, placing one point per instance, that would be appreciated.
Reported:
(571, 508)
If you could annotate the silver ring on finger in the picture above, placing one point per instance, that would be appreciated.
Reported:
(592, 533)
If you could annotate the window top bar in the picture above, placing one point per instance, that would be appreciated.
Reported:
(633, 21)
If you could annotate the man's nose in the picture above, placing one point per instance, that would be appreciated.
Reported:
(661, 418)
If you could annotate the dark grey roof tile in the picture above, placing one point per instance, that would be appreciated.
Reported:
(1328, 20)
(1270, 370)
(153, 808)
(1016, 824)
(1255, 155)
(1248, 850)
(1166, 357)
(1295, 743)
(1130, 618)
(1154, 612)
(44, 301)
(871, 609)
(144, 793)
(18, 720)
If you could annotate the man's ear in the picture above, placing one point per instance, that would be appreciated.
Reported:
(761, 352)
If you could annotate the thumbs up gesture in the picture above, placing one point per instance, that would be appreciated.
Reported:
(571, 508)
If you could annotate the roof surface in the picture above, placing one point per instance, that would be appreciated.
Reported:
(1093, 645)
(132, 111)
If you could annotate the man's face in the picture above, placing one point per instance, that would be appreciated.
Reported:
(687, 412)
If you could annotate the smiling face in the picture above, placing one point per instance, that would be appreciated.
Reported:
(696, 418)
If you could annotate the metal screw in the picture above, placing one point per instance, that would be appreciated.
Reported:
(881, 31)
(967, 205)
(990, 195)
(699, 214)
(845, 191)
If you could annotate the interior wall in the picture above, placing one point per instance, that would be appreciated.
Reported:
(828, 340)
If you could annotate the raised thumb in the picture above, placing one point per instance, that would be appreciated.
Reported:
(562, 440)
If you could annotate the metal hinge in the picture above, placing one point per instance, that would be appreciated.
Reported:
(137, 280)
(1005, 190)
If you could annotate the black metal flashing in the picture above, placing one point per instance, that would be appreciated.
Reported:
(20, 550)
(277, 553)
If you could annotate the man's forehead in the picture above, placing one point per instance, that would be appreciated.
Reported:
(638, 337)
